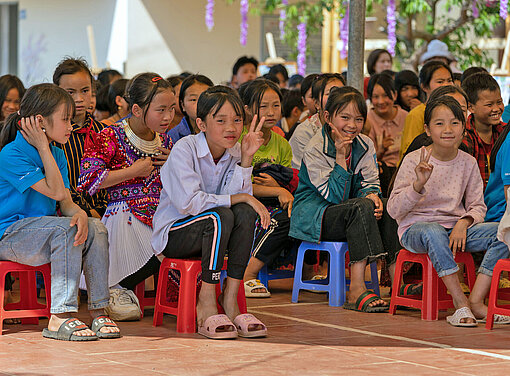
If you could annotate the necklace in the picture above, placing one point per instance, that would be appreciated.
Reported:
(140, 146)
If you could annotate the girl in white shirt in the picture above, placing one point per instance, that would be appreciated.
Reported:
(206, 207)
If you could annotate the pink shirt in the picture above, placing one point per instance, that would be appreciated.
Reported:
(453, 191)
(393, 128)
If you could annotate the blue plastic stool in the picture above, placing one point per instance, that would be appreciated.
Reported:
(336, 283)
(266, 275)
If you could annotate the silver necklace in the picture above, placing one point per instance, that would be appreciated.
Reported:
(140, 146)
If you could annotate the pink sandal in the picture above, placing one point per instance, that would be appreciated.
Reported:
(245, 324)
(210, 327)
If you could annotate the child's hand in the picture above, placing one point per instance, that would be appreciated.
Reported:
(458, 236)
(341, 143)
(142, 167)
(266, 180)
(414, 102)
(81, 221)
(387, 140)
(423, 170)
(378, 212)
(252, 141)
(33, 133)
(260, 209)
(160, 159)
(286, 200)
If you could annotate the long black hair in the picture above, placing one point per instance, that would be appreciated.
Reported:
(8, 82)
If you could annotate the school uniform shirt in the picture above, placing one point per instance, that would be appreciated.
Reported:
(495, 191)
(303, 133)
(322, 182)
(478, 148)
(181, 130)
(413, 127)
(20, 168)
(393, 129)
(277, 151)
(193, 183)
(453, 191)
(73, 150)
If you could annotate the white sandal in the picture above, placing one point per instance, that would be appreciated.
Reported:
(462, 313)
(254, 284)
(498, 320)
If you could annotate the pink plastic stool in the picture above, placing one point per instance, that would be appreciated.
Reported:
(185, 307)
(28, 309)
(142, 298)
(434, 297)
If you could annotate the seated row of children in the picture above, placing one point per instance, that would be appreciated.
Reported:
(189, 193)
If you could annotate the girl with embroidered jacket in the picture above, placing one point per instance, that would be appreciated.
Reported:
(125, 159)
(338, 195)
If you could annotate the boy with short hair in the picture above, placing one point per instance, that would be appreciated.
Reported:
(484, 125)
(244, 70)
(292, 107)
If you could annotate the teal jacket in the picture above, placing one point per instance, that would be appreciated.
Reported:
(322, 182)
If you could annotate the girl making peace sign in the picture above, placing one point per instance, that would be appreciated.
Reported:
(437, 201)
(206, 206)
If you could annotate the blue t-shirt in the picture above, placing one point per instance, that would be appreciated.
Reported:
(505, 118)
(179, 131)
(20, 168)
(495, 191)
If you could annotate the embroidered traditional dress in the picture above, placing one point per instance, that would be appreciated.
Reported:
(131, 204)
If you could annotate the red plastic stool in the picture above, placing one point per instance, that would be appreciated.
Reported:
(143, 299)
(434, 296)
(493, 307)
(28, 309)
(185, 307)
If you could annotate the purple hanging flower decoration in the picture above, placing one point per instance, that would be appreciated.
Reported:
(244, 22)
(503, 9)
(283, 17)
(209, 11)
(392, 26)
(474, 9)
(301, 44)
(344, 33)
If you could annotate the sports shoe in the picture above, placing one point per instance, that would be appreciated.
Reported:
(123, 305)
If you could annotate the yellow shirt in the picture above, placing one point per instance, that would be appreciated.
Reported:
(413, 127)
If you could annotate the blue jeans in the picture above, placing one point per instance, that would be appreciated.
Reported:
(432, 238)
(40, 240)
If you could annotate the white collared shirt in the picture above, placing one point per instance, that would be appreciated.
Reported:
(193, 183)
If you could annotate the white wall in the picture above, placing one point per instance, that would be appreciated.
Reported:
(53, 29)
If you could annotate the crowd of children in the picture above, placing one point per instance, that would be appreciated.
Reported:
(103, 178)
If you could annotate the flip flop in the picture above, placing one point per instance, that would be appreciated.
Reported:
(363, 301)
(254, 284)
(411, 289)
(66, 331)
(462, 313)
(212, 323)
(498, 320)
(243, 323)
(100, 322)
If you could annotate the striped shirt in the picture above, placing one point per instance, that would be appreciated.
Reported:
(73, 150)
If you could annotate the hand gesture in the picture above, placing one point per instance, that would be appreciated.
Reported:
(142, 167)
(265, 180)
(33, 133)
(341, 143)
(160, 159)
(414, 102)
(423, 170)
(252, 141)
(81, 221)
(286, 200)
(378, 212)
(387, 140)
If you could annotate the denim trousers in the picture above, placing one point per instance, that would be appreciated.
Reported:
(434, 239)
(36, 241)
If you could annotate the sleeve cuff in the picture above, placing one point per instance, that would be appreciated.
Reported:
(415, 196)
(224, 200)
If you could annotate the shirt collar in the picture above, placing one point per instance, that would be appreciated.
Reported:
(86, 123)
(203, 148)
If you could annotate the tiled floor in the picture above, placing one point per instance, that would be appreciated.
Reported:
(309, 338)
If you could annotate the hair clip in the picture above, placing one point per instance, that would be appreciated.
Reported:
(156, 79)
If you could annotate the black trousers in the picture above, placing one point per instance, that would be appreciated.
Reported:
(368, 238)
(151, 267)
(271, 242)
(209, 234)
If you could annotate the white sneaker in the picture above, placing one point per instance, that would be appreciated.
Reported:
(123, 306)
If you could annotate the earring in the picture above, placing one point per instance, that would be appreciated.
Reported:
(44, 130)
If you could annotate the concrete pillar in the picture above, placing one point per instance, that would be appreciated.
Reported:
(355, 60)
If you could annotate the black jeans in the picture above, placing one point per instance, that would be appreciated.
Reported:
(209, 234)
(368, 238)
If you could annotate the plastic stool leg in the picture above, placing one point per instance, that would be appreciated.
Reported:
(160, 294)
(337, 275)
(298, 274)
(374, 278)
(186, 308)
(493, 297)
(264, 276)
(430, 292)
(28, 293)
